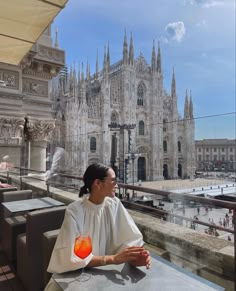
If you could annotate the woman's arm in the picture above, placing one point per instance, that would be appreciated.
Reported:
(137, 256)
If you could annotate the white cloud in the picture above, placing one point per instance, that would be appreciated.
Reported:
(201, 23)
(207, 3)
(176, 30)
(163, 39)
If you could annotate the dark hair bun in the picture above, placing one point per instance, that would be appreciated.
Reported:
(83, 190)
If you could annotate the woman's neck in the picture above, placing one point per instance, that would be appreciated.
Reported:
(96, 198)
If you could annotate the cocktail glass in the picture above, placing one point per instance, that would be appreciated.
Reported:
(82, 249)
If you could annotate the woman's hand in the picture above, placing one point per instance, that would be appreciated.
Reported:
(143, 259)
(137, 256)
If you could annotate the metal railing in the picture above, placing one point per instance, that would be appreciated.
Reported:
(160, 213)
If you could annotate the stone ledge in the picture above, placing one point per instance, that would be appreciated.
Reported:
(200, 253)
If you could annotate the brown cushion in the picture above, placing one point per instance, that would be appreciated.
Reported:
(12, 227)
(48, 242)
(42, 220)
(16, 195)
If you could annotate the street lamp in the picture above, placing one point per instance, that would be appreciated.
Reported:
(132, 156)
(121, 128)
(25, 149)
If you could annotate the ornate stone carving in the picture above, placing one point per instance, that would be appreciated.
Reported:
(52, 54)
(28, 59)
(40, 130)
(10, 130)
(40, 73)
(11, 78)
(35, 87)
(141, 65)
(167, 104)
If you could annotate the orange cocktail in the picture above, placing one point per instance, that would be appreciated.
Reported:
(83, 246)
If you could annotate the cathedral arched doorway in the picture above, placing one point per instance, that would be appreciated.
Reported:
(179, 170)
(165, 171)
(141, 169)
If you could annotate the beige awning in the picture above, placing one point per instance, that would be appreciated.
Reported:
(21, 24)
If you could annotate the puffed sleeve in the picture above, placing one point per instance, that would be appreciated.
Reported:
(63, 258)
(125, 233)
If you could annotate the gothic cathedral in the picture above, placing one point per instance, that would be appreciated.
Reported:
(122, 116)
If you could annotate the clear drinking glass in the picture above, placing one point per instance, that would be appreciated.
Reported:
(82, 249)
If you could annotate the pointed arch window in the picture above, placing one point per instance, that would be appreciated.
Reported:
(179, 146)
(114, 119)
(140, 94)
(165, 125)
(165, 146)
(141, 127)
(93, 144)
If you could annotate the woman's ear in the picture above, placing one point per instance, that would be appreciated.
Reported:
(97, 183)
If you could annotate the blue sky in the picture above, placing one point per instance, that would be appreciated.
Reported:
(197, 38)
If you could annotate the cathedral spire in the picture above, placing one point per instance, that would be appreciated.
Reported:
(153, 57)
(105, 61)
(186, 106)
(173, 85)
(125, 50)
(108, 57)
(97, 69)
(83, 86)
(56, 45)
(191, 106)
(78, 74)
(71, 79)
(82, 73)
(88, 70)
(159, 59)
(131, 51)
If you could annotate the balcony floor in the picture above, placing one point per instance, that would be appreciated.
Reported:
(8, 279)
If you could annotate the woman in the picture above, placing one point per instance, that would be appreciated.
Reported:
(115, 237)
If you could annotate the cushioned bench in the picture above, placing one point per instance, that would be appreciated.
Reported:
(8, 196)
(48, 241)
(29, 246)
(12, 227)
(7, 190)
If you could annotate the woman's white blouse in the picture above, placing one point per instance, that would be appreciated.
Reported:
(109, 225)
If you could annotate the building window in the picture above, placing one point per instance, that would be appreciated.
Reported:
(231, 150)
(231, 158)
(114, 118)
(140, 94)
(141, 128)
(165, 146)
(179, 146)
(207, 157)
(215, 149)
(164, 125)
(199, 150)
(199, 158)
(222, 149)
(93, 144)
(207, 150)
(215, 157)
(223, 158)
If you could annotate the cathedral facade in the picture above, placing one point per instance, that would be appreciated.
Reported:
(122, 116)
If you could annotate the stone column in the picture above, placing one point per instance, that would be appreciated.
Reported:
(10, 140)
(39, 134)
(38, 155)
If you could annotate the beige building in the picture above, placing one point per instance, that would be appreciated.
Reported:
(216, 154)
(25, 108)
